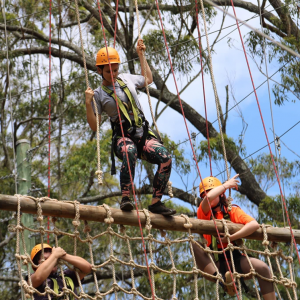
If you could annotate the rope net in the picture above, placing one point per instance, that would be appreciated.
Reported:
(125, 270)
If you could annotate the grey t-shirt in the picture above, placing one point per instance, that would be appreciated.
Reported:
(107, 103)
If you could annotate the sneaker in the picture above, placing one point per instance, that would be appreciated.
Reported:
(126, 204)
(229, 284)
(160, 208)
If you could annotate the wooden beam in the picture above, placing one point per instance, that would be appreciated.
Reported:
(61, 209)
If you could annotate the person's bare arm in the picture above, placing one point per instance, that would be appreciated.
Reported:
(217, 191)
(245, 231)
(44, 270)
(139, 49)
(80, 263)
(91, 118)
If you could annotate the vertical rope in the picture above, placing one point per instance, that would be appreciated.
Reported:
(169, 184)
(126, 153)
(49, 109)
(145, 73)
(217, 101)
(203, 86)
(116, 23)
(10, 99)
(99, 173)
(270, 100)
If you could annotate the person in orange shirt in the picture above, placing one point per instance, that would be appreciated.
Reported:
(212, 191)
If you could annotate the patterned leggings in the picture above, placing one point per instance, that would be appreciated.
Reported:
(154, 153)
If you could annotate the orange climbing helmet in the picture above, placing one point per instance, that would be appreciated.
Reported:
(37, 248)
(102, 59)
(208, 184)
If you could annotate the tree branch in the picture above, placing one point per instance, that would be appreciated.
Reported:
(7, 240)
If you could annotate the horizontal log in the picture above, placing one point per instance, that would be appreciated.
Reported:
(62, 209)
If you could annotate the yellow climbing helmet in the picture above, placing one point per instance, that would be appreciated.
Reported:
(102, 59)
(37, 248)
(208, 184)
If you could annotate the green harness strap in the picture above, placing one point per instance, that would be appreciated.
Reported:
(135, 110)
(70, 285)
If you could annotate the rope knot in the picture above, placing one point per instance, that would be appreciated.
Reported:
(168, 241)
(230, 246)
(40, 218)
(42, 230)
(99, 174)
(174, 270)
(109, 220)
(82, 295)
(219, 277)
(150, 237)
(188, 226)
(98, 295)
(94, 269)
(56, 231)
(252, 271)
(265, 243)
(132, 263)
(110, 231)
(112, 259)
(76, 223)
(134, 291)
(153, 266)
(116, 287)
(19, 227)
(195, 270)
(169, 186)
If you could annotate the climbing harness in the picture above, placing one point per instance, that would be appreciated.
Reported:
(70, 285)
(129, 125)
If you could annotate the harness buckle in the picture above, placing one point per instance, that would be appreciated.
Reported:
(130, 130)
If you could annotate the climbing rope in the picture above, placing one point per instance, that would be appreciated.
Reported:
(217, 100)
(203, 85)
(126, 153)
(99, 173)
(10, 98)
(270, 100)
(169, 184)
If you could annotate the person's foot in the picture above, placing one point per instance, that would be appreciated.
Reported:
(160, 208)
(229, 287)
(126, 204)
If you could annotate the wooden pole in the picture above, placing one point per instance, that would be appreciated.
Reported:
(176, 223)
(23, 186)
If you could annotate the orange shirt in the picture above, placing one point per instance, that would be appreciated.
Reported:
(237, 215)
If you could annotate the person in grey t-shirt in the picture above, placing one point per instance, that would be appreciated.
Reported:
(139, 141)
